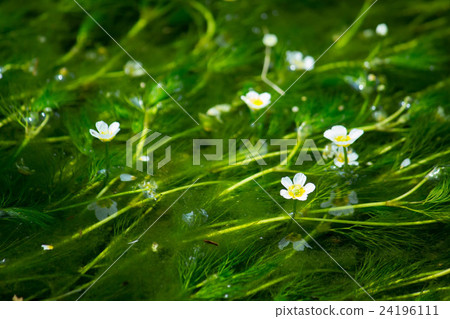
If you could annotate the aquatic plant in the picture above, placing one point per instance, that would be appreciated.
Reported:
(77, 222)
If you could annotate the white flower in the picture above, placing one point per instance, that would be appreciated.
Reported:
(298, 243)
(103, 208)
(339, 159)
(256, 101)
(127, 177)
(47, 247)
(345, 204)
(381, 29)
(133, 69)
(216, 111)
(298, 62)
(329, 151)
(295, 109)
(105, 133)
(368, 33)
(406, 162)
(297, 189)
(338, 135)
(270, 40)
(149, 188)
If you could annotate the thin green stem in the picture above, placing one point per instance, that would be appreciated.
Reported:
(137, 191)
(412, 190)
(346, 168)
(107, 163)
(265, 70)
(311, 219)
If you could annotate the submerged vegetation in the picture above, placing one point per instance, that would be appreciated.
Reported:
(77, 222)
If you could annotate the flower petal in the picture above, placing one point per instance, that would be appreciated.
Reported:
(127, 177)
(114, 128)
(308, 62)
(326, 204)
(300, 245)
(338, 163)
(285, 194)
(283, 243)
(355, 133)
(309, 188)
(252, 95)
(339, 130)
(352, 156)
(300, 179)
(286, 182)
(101, 126)
(94, 133)
(303, 197)
(353, 197)
(265, 96)
(329, 134)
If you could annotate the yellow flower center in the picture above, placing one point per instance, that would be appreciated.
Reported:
(342, 138)
(340, 157)
(296, 191)
(257, 101)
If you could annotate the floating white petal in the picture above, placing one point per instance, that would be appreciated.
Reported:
(103, 208)
(127, 177)
(406, 162)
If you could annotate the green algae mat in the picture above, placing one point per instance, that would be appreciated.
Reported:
(224, 150)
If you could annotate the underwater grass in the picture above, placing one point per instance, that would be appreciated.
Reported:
(60, 74)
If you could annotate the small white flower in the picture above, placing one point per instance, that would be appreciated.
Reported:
(329, 151)
(295, 109)
(406, 162)
(339, 159)
(256, 101)
(298, 243)
(47, 247)
(133, 69)
(149, 188)
(368, 33)
(103, 208)
(297, 189)
(345, 204)
(270, 40)
(338, 135)
(381, 29)
(127, 177)
(105, 133)
(298, 62)
(216, 111)
(144, 158)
